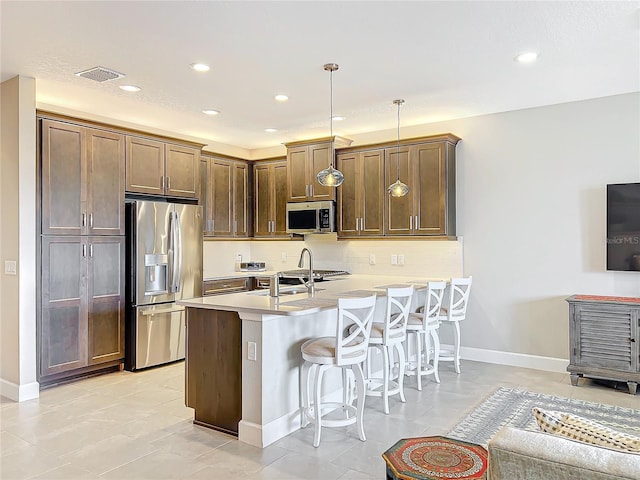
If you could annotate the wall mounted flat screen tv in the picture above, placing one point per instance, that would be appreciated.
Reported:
(623, 227)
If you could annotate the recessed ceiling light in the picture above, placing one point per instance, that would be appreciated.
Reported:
(270, 130)
(209, 111)
(281, 98)
(526, 57)
(200, 67)
(338, 118)
(130, 88)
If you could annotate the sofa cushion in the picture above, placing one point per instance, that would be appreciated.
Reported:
(584, 430)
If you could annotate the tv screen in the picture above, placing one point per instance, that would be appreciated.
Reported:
(623, 227)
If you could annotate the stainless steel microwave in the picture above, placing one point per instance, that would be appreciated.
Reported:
(311, 217)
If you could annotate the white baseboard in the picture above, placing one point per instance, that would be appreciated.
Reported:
(19, 393)
(549, 364)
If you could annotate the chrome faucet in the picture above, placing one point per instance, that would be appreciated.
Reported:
(309, 283)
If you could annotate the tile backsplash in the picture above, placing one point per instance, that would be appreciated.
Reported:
(428, 258)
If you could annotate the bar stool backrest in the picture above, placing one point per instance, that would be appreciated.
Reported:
(433, 302)
(397, 314)
(352, 342)
(458, 298)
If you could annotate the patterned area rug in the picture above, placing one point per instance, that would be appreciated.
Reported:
(508, 406)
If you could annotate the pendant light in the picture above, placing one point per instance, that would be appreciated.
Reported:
(330, 177)
(398, 189)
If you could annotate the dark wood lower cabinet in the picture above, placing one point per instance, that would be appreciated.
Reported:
(214, 368)
(82, 316)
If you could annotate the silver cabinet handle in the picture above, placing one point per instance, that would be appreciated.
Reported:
(416, 222)
(84, 219)
(84, 249)
(311, 190)
(91, 220)
(91, 250)
(162, 182)
(410, 222)
(168, 183)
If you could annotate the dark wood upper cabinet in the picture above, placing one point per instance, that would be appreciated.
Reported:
(82, 180)
(304, 161)
(158, 168)
(226, 197)
(361, 196)
(429, 170)
(270, 191)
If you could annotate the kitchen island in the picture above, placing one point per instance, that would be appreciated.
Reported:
(243, 352)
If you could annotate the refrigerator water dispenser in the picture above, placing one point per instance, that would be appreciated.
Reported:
(156, 274)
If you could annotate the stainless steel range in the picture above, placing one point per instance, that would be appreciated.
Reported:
(302, 275)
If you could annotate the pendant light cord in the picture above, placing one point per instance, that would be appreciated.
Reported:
(398, 143)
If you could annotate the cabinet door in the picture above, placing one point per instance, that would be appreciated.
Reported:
(181, 171)
(62, 179)
(319, 159)
(371, 181)
(105, 182)
(603, 336)
(430, 193)
(206, 196)
(399, 213)
(63, 332)
(241, 214)
(297, 174)
(279, 225)
(145, 166)
(222, 198)
(349, 200)
(105, 294)
(264, 195)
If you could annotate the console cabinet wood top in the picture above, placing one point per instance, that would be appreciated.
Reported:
(603, 339)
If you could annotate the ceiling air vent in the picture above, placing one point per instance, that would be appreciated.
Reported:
(100, 74)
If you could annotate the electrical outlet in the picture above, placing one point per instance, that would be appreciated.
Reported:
(251, 350)
(10, 267)
(372, 259)
(394, 259)
(400, 259)
(284, 256)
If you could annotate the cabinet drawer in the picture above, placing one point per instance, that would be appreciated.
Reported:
(229, 285)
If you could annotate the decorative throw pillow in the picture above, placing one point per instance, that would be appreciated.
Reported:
(585, 431)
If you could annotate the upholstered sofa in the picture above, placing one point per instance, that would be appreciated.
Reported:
(516, 454)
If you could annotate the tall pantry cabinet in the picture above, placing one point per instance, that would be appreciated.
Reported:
(81, 321)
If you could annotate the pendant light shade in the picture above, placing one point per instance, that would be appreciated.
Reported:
(398, 189)
(330, 177)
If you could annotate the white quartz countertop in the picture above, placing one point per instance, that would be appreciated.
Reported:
(302, 303)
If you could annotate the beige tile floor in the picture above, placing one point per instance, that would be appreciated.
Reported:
(135, 426)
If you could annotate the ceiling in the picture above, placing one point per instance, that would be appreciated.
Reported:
(448, 60)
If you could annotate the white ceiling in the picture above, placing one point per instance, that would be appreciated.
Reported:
(446, 59)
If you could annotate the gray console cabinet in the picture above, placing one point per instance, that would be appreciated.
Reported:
(603, 337)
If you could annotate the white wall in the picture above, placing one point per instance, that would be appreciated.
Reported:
(18, 239)
(531, 208)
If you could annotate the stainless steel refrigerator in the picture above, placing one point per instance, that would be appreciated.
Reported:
(164, 263)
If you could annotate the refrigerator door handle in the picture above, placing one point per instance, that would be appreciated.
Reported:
(178, 252)
(171, 253)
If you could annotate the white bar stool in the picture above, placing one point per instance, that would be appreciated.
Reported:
(421, 324)
(387, 337)
(348, 349)
(453, 314)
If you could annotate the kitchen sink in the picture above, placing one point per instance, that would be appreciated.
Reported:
(283, 292)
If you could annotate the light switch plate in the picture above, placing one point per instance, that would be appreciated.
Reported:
(400, 259)
(372, 259)
(10, 267)
(251, 350)
(394, 259)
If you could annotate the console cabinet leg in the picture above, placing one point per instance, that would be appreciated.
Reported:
(574, 379)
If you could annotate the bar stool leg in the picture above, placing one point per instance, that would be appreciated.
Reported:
(317, 405)
(418, 336)
(436, 353)
(360, 389)
(401, 368)
(386, 375)
(457, 346)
